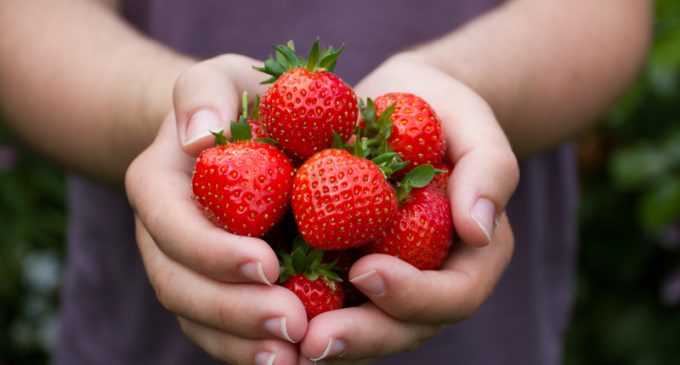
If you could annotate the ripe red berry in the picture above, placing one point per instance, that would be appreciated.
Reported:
(441, 180)
(343, 261)
(318, 296)
(422, 232)
(416, 130)
(307, 103)
(243, 187)
(341, 201)
(316, 283)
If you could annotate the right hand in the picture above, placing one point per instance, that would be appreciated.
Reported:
(218, 284)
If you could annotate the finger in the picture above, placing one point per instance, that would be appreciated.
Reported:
(349, 362)
(236, 350)
(448, 295)
(159, 190)
(253, 311)
(207, 96)
(360, 333)
(485, 172)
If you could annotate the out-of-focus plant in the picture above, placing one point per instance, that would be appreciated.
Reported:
(628, 302)
(31, 253)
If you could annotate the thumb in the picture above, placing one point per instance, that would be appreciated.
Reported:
(207, 96)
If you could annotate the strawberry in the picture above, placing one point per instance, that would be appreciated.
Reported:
(441, 180)
(256, 127)
(243, 187)
(422, 231)
(415, 133)
(341, 201)
(307, 103)
(343, 261)
(315, 283)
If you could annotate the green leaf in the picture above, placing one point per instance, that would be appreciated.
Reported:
(420, 176)
(314, 258)
(240, 130)
(367, 111)
(384, 118)
(661, 205)
(384, 158)
(269, 141)
(330, 58)
(220, 139)
(289, 54)
(313, 56)
(638, 165)
(338, 143)
(312, 275)
(331, 275)
(299, 260)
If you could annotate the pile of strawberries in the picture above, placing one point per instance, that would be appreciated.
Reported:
(326, 178)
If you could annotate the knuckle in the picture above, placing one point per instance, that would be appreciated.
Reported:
(164, 293)
(188, 77)
(223, 311)
(409, 308)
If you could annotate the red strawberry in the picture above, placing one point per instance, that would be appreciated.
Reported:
(244, 186)
(416, 130)
(343, 261)
(315, 283)
(441, 180)
(318, 295)
(307, 102)
(341, 201)
(257, 128)
(422, 231)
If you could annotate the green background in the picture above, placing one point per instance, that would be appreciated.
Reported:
(627, 309)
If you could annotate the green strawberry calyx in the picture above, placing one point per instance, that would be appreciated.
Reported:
(306, 261)
(370, 139)
(286, 58)
(240, 129)
(419, 177)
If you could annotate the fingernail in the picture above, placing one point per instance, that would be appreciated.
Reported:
(277, 327)
(370, 283)
(484, 214)
(201, 124)
(334, 348)
(253, 271)
(265, 358)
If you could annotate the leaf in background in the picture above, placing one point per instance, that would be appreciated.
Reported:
(661, 205)
(638, 165)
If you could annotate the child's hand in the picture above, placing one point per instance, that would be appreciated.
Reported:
(218, 284)
(409, 305)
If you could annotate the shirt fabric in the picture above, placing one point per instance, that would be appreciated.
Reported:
(110, 314)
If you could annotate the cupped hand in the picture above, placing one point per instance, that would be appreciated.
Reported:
(218, 284)
(408, 305)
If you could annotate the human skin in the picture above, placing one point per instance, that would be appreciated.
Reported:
(517, 74)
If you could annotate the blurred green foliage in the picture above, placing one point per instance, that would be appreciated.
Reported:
(627, 309)
(32, 224)
(628, 297)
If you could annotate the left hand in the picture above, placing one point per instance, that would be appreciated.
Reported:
(408, 305)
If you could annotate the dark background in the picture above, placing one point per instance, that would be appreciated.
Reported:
(627, 309)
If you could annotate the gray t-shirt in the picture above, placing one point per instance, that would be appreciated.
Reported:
(109, 311)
